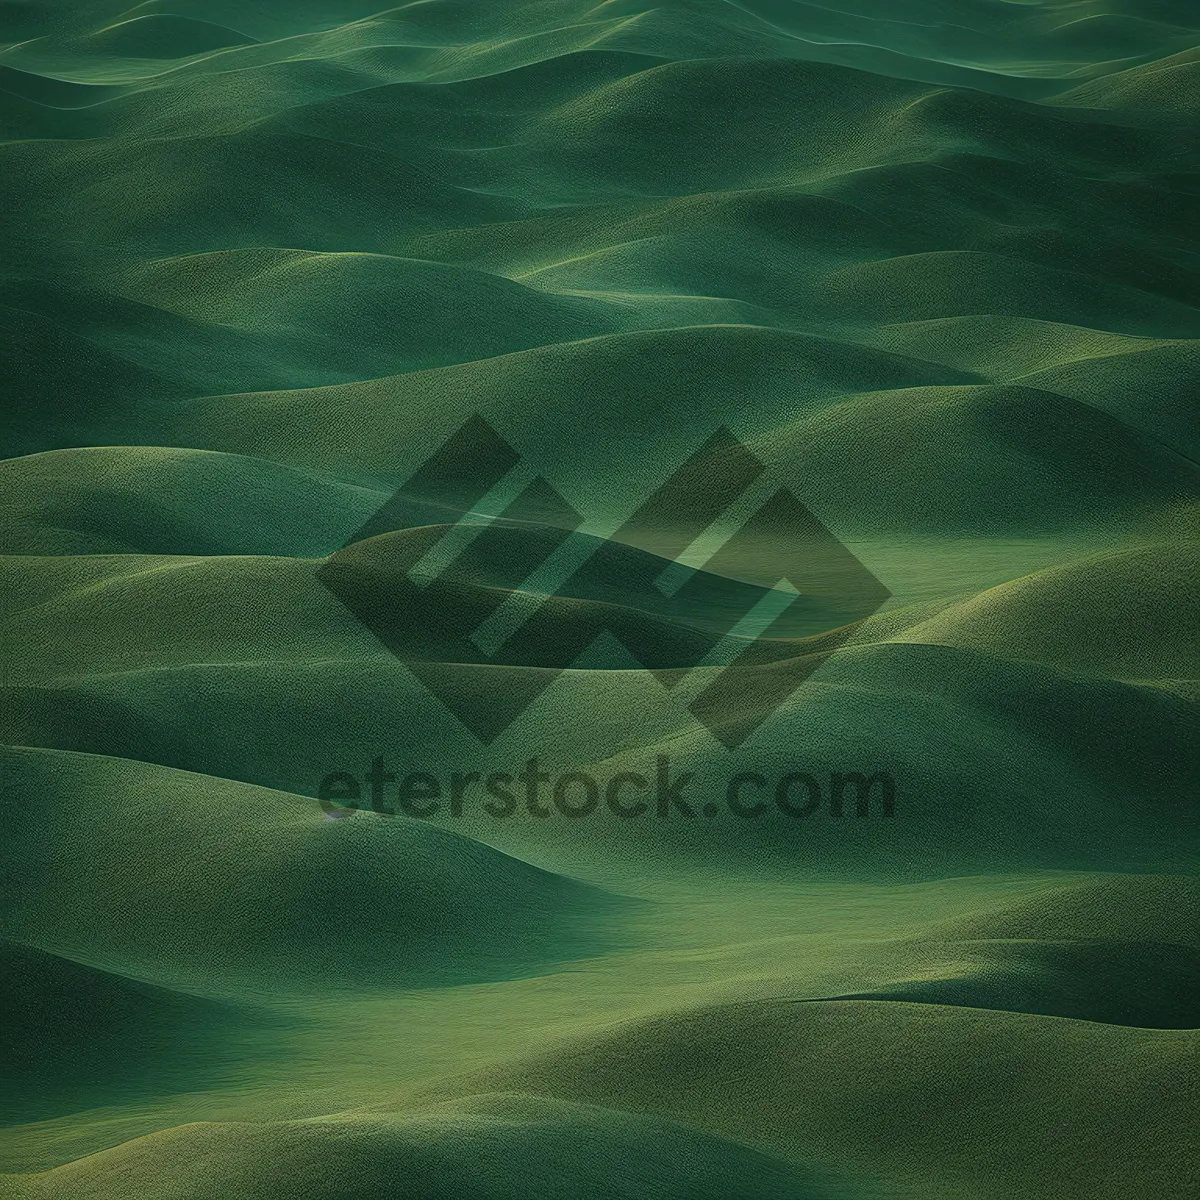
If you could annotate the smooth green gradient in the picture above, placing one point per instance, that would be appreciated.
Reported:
(933, 262)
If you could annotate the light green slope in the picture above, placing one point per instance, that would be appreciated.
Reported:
(933, 264)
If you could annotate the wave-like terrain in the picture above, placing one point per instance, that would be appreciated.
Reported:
(932, 264)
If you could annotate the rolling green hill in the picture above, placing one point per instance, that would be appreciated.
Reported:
(928, 928)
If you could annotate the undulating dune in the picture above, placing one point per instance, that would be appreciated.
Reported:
(778, 420)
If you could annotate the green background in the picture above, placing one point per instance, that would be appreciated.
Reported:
(933, 262)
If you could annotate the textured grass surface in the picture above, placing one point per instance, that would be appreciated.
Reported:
(933, 262)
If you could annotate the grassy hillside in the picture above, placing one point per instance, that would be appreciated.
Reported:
(932, 263)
